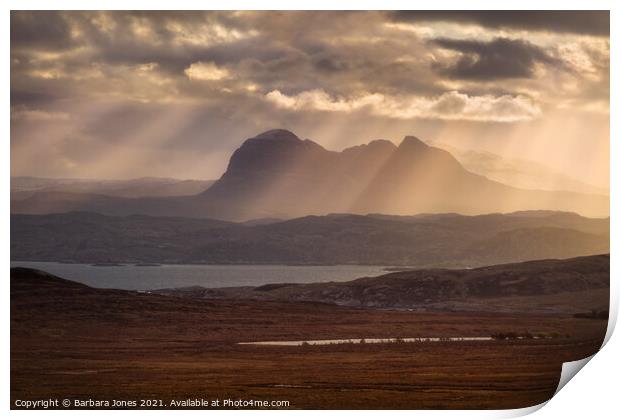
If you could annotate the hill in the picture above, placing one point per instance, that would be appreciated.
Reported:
(547, 286)
(77, 342)
(446, 240)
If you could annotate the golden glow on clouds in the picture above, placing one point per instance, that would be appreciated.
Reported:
(338, 78)
(206, 34)
(448, 106)
(206, 71)
(104, 22)
(452, 30)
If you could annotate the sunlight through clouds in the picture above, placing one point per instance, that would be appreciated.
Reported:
(206, 71)
(448, 106)
(505, 83)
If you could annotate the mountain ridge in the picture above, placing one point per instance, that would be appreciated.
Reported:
(277, 175)
(421, 241)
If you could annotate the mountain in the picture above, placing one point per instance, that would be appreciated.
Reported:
(519, 173)
(447, 240)
(278, 175)
(25, 186)
(556, 286)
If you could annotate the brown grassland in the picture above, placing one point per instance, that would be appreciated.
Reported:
(72, 341)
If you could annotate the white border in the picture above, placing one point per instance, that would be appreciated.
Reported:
(593, 394)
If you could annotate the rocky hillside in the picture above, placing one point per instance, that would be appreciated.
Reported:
(556, 286)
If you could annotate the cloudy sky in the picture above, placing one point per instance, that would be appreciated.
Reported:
(131, 94)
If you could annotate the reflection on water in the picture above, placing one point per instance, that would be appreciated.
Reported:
(364, 341)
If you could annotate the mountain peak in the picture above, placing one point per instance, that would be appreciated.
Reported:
(278, 134)
(412, 141)
(381, 143)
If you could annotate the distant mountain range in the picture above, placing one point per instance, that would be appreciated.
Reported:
(26, 186)
(519, 173)
(440, 240)
(278, 175)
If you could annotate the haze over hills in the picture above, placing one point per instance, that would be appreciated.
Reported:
(518, 172)
(278, 175)
(26, 186)
(441, 240)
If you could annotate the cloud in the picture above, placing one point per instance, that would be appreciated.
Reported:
(448, 106)
(42, 30)
(501, 58)
(206, 71)
(287, 51)
(24, 114)
(95, 83)
(590, 22)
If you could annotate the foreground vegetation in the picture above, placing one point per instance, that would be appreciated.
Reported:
(72, 341)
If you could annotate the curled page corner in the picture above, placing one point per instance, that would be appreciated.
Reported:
(613, 314)
(521, 412)
(569, 370)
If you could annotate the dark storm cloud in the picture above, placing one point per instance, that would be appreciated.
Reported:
(331, 65)
(498, 59)
(31, 99)
(42, 30)
(591, 22)
(52, 31)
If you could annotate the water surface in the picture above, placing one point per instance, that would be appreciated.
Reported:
(133, 277)
(364, 341)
